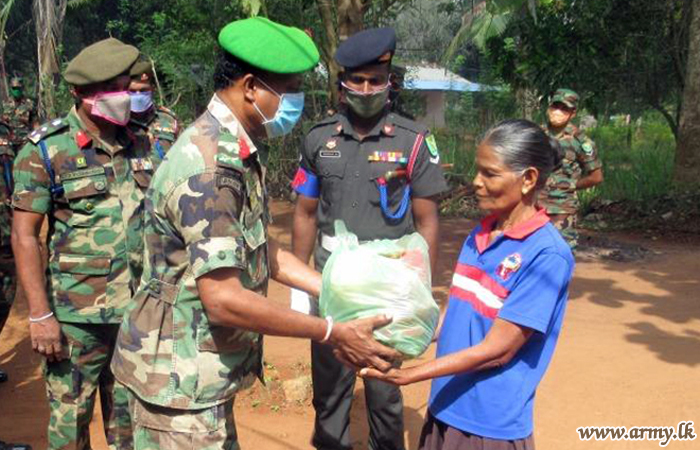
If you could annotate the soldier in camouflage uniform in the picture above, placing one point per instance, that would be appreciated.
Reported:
(193, 336)
(20, 113)
(580, 168)
(7, 264)
(159, 122)
(88, 173)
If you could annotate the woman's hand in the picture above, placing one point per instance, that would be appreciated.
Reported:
(399, 377)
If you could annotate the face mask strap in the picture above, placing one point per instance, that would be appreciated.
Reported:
(366, 94)
(269, 87)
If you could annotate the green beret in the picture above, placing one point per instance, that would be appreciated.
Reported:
(565, 96)
(260, 42)
(100, 62)
(143, 65)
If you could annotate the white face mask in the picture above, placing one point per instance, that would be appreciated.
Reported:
(114, 107)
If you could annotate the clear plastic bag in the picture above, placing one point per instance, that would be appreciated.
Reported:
(382, 277)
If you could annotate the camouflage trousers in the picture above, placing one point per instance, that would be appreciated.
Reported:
(8, 283)
(566, 224)
(72, 385)
(156, 427)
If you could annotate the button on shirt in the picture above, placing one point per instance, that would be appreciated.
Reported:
(522, 277)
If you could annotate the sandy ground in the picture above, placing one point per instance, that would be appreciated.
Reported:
(629, 355)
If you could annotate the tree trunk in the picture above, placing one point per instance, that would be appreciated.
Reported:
(328, 46)
(4, 93)
(350, 15)
(687, 164)
(48, 21)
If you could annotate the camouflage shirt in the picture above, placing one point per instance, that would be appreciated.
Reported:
(162, 128)
(206, 210)
(580, 158)
(95, 215)
(20, 116)
(7, 155)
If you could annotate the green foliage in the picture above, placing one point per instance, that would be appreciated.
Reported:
(620, 55)
(638, 173)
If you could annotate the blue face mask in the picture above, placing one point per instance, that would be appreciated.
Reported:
(287, 115)
(141, 101)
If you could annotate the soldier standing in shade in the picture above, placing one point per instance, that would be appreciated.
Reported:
(379, 173)
(19, 113)
(159, 122)
(88, 173)
(193, 336)
(580, 167)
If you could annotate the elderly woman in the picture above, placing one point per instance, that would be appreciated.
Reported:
(506, 304)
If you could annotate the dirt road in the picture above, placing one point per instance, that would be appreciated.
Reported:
(629, 355)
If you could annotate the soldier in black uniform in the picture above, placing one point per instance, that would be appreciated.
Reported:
(380, 174)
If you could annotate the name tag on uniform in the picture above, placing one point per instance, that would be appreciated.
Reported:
(140, 164)
(329, 154)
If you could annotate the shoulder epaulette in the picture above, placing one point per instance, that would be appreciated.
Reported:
(47, 129)
(408, 124)
(327, 121)
(167, 111)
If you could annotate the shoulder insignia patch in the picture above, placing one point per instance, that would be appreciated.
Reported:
(587, 148)
(432, 145)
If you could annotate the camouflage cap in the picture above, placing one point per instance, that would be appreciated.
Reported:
(100, 62)
(565, 96)
(142, 66)
(16, 82)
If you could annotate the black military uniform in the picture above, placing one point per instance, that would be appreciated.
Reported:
(368, 183)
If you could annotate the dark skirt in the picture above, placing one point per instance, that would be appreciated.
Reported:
(438, 435)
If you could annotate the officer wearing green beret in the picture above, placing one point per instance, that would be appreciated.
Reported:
(19, 112)
(378, 172)
(88, 173)
(193, 337)
(157, 121)
(580, 168)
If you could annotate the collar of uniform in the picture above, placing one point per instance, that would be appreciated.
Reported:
(519, 232)
(384, 126)
(226, 118)
(83, 138)
(569, 130)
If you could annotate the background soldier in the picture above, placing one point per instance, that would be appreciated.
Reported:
(193, 337)
(88, 173)
(20, 113)
(580, 167)
(8, 282)
(159, 122)
(380, 174)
